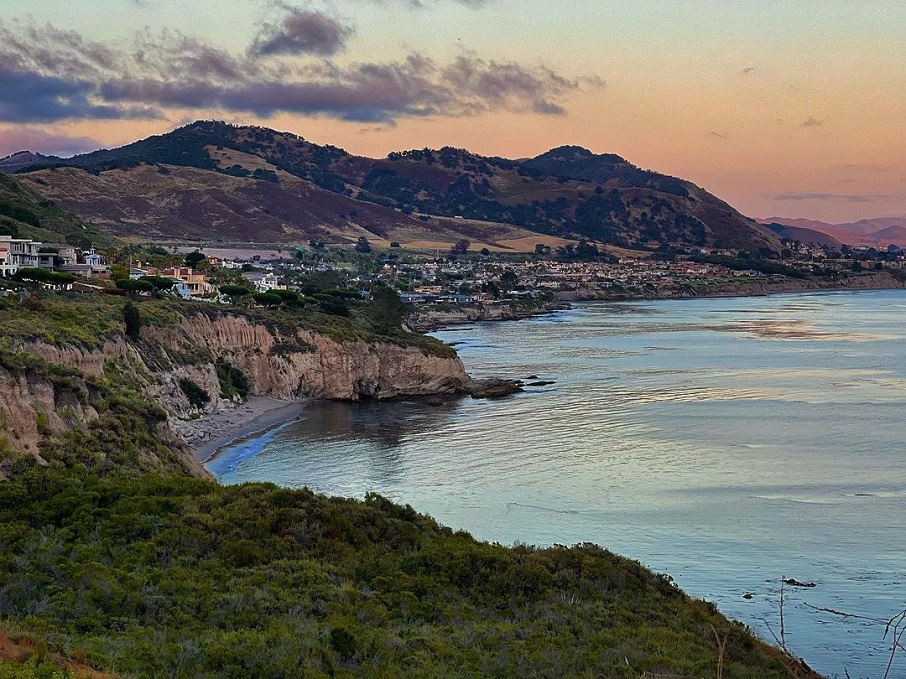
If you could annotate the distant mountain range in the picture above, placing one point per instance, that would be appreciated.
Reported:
(217, 182)
(877, 232)
(21, 159)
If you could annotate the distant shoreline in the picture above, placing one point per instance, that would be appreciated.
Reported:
(756, 288)
(437, 320)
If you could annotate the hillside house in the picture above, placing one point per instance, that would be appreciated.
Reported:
(263, 281)
(193, 282)
(53, 255)
(18, 253)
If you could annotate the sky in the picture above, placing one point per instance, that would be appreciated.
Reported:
(787, 108)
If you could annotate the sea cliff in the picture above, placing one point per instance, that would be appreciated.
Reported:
(52, 385)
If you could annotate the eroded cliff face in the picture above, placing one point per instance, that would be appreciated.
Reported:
(284, 365)
(32, 406)
(39, 406)
(88, 361)
(305, 364)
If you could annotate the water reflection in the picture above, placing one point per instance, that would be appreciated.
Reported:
(387, 423)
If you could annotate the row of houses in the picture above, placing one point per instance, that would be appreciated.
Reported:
(193, 283)
(22, 253)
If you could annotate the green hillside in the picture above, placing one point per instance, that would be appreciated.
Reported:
(24, 213)
(175, 576)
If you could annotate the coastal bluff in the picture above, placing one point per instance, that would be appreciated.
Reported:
(303, 363)
(50, 387)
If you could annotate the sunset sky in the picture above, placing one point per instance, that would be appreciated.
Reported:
(782, 107)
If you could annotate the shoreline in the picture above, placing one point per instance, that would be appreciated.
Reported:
(431, 322)
(212, 432)
(207, 435)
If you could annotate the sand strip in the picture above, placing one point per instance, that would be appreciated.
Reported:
(212, 432)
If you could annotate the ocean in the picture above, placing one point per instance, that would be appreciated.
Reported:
(728, 442)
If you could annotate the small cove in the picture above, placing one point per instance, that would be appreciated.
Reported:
(727, 442)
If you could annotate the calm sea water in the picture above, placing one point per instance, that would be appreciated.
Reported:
(727, 442)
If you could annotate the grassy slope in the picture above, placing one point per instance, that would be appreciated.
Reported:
(89, 320)
(26, 214)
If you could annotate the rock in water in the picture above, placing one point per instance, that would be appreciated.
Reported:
(495, 387)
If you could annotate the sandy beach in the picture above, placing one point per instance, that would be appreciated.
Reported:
(212, 432)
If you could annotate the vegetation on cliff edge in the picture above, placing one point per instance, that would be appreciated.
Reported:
(90, 319)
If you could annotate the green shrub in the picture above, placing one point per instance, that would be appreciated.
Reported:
(42, 424)
(133, 321)
(233, 381)
(198, 397)
(176, 576)
(267, 299)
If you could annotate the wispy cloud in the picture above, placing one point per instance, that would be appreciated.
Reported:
(830, 197)
(748, 70)
(302, 31)
(367, 92)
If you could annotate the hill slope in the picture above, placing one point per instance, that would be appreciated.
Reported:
(562, 193)
(876, 232)
(22, 159)
(803, 235)
(25, 213)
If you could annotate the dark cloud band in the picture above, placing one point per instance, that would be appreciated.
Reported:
(45, 78)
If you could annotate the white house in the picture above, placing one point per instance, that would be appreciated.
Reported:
(92, 259)
(18, 253)
(263, 280)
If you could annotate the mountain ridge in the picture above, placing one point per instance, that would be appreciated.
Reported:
(869, 232)
(567, 192)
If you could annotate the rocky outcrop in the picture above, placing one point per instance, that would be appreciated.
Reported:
(495, 387)
(305, 364)
(423, 320)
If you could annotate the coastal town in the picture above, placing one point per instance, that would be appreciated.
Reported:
(458, 277)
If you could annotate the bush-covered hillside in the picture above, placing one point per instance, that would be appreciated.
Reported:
(113, 554)
(26, 214)
(175, 576)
